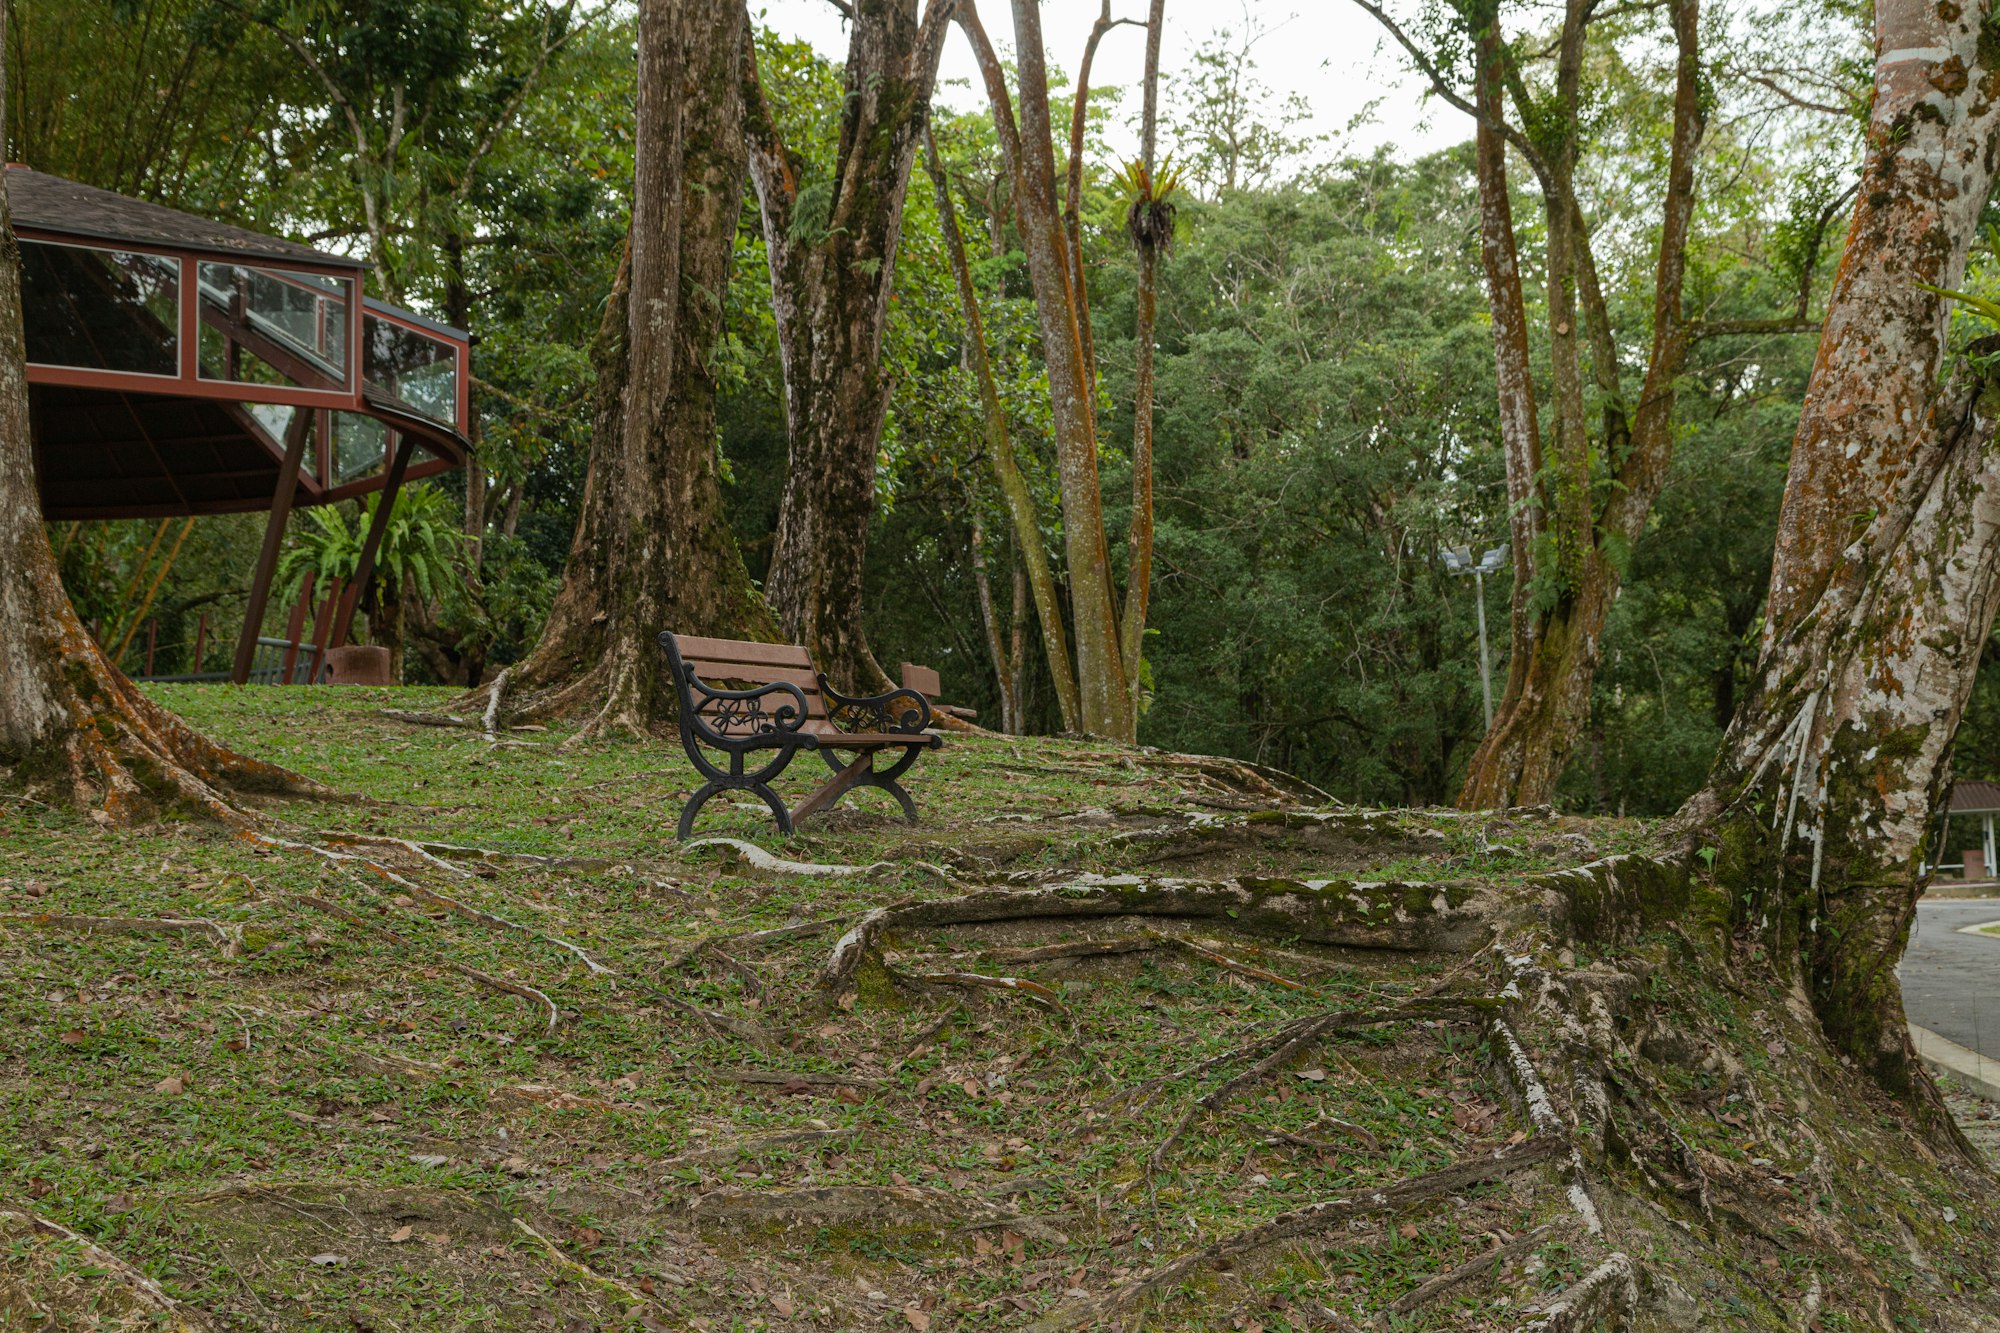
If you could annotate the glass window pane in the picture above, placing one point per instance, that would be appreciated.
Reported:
(274, 418)
(101, 309)
(419, 369)
(273, 326)
(360, 446)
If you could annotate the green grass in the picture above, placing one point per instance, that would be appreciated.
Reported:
(297, 1123)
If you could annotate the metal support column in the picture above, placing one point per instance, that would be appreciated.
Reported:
(274, 538)
(364, 568)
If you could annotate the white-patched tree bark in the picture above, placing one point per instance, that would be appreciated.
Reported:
(1883, 589)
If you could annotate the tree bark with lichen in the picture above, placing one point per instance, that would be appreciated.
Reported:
(831, 243)
(653, 550)
(1887, 571)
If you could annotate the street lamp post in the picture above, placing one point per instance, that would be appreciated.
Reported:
(1458, 560)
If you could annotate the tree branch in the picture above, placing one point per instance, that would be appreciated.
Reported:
(1722, 328)
(770, 164)
(1451, 96)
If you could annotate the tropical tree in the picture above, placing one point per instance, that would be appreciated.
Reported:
(1886, 575)
(652, 549)
(71, 725)
(1580, 500)
(1107, 637)
(831, 230)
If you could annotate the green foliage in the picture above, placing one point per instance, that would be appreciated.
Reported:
(421, 548)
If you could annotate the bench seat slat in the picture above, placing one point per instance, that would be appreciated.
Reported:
(720, 673)
(743, 651)
(831, 738)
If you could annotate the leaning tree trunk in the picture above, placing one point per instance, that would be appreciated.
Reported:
(652, 549)
(831, 275)
(1884, 584)
(72, 727)
(1014, 493)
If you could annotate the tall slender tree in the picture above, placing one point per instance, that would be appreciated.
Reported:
(1887, 568)
(831, 232)
(1106, 639)
(71, 725)
(652, 550)
(1015, 495)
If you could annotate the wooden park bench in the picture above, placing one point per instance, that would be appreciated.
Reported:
(925, 681)
(787, 707)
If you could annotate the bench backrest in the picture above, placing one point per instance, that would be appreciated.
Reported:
(736, 664)
(924, 680)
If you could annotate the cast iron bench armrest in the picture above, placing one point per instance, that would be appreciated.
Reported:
(872, 712)
(778, 727)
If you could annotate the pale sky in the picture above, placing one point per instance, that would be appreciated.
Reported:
(1328, 51)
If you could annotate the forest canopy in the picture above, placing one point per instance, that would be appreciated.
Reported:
(1326, 421)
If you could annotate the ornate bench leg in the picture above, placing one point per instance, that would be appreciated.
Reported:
(846, 779)
(895, 789)
(693, 808)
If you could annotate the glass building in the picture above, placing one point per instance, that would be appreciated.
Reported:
(179, 366)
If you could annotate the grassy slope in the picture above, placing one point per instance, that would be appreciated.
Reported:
(308, 1125)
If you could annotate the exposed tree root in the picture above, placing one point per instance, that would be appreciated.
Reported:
(1416, 1007)
(1076, 949)
(753, 984)
(1034, 990)
(1482, 1266)
(759, 859)
(417, 718)
(160, 1310)
(230, 937)
(436, 899)
(911, 1206)
(1297, 1037)
(1608, 1291)
(123, 758)
(1273, 1135)
(445, 855)
(736, 1148)
(588, 1276)
(388, 936)
(490, 720)
(754, 939)
(1313, 1218)
(781, 1078)
(1518, 1068)
(720, 1022)
(1245, 775)
(1207, 954)
(1372, 916)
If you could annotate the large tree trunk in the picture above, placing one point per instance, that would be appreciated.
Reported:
(830, 282)
(1150, 223)
(652, 549)
(1513, 371)
(1883, 587)
(72, 727)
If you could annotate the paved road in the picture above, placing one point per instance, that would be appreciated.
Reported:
(1951, 982)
